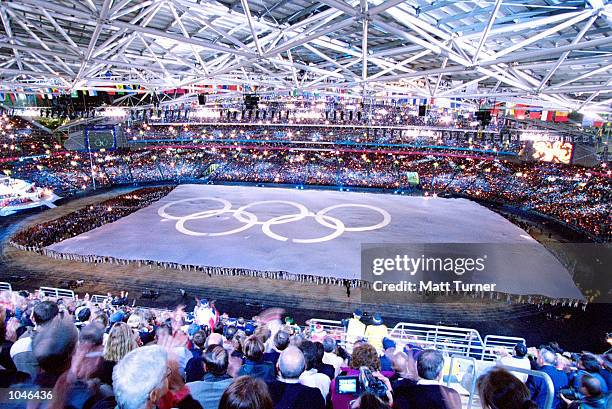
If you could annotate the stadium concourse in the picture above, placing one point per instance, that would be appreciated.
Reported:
(305, 204)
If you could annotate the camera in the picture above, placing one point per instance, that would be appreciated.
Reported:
(364, 382)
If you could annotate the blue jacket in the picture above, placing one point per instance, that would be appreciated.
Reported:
(537, 386)
(262, 370)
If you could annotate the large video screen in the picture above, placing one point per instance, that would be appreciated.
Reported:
(553, 151)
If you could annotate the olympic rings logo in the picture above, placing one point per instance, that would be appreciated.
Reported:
(250, 219)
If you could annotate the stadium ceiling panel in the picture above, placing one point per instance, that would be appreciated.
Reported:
(550, 53)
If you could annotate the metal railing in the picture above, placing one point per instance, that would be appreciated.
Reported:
(453, 340)
(56, 292)
(5, 286)
(497, 342)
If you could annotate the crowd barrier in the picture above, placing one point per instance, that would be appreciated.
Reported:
(56, 292)
(5, 286)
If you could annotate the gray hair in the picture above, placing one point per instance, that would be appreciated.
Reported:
(291, 363)
(329, 344)
(137, 374)
(548, 356)
(430, 364)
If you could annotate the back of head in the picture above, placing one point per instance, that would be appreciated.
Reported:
(309, 349)
(365, 354)
(400, 362)
(216, 359)
(498, 388)
(520, 350)
(253, 348)
(591, 385)
(230, 332)
(589, 363)
(548, 357)
(370, 401)
(199, 339)
(329, 344)
(54, 344)
(291, 363)
(214, 339)
(320, 352)
(138, 374)
(246, 393)
(92, 333)
(281, 340)
(44, 312)
(429, 364)
(121, 340)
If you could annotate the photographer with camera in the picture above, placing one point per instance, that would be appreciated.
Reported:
(363, 376)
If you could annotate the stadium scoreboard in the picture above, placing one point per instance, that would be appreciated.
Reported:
(99, 137)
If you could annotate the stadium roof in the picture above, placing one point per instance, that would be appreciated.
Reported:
(550, 53)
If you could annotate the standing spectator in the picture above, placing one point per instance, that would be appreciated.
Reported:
(519, 360)
(121, 340)
(428, 393)
(537, 386)
(499, 388)
(375, 332)
(386, 360)
(355, 329)
(592, 394)
(281, 342)
(52, 348)
(311, 377)
(43, 313)
(321, 366)
(194, 370)
(287, 392)
(330, 357)
(214, 382)
(246, 393)
(254, 364)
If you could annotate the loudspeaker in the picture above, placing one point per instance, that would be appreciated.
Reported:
(202, 99)
(422, 110)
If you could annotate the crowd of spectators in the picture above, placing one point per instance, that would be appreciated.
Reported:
(78, 354)
(19, 138)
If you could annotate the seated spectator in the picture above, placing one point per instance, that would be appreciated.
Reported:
(311, 377)
(386, 360)
(287, 392)
(322, 367)
(246, 393)
(519, 360)
(499, 388)
(121, 340)
(330, 357)
(254, 364)
(281, 342)
(21, 351)
(537, 386)
(214, 382)
(427, 393)
(592, 394)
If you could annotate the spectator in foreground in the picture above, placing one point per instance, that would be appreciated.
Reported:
(592, 394)
(537, 385)
(21, 352)
(287, 392)
(403, 371)
(53, 347)
(386, 360)
(330, 357)
(321, 366)
(281, 342)
(215, 381)
(246, 393)
(428, 393)
(499, 388)
(121, 340)
(194, 370)
(254, 365)
(588, 365)
(368, 401)
(310, 376)
(519, 360)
